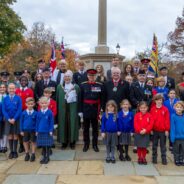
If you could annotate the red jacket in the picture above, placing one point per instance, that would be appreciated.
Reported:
(52, 106)
(23, 95)
(143, 121)
(161, 119)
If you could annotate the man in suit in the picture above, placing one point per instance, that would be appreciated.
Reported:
(81, 75)
(139, 91)
(41, 66)
(115, 63)
(4, 78)
(58, 74)
(170, 82)
(116, 89)
(136, 66)
(46, 82)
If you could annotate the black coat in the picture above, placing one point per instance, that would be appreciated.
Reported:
(79, 78)
(170, 83)
(120, 94)
(137, 94)
(39, 89)
(91, 92)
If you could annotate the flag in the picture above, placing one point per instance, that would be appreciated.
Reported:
(62, 50)
(153, 65)
(53, 62)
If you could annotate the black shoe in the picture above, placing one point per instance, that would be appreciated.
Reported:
(32, 159)
(85, 148)
(1, 150)
(10, 155)
(121, 157)
(64, 146)
(95, 148)
(154, 160)
(127, 158)
(4, 150)
(46, 160)
(108, 160)
(135, 150)
(15, 155)
(177, 163)
(144, 162)
(42, 161)
(27, 157)
(21, 148)
(164, 161)
(113, 160)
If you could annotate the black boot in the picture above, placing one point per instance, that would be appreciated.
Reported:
(64, 146)
(15, 143)
(47, 159)
(121, 156)
(127, 157)
(85, 148)
(95, 148)
(21, 148)
(42, 161)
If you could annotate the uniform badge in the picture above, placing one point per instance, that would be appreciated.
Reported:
(114, 89)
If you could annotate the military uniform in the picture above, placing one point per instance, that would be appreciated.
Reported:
(91, 103)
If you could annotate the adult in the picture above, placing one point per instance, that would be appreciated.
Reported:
(5, 78)
(169, 82)
(128, 71)
(115, 63)
(145, 64)
(42, 84)
(140, 91)
(41, 66)
(180, 87)
(116, 89)
(136, 66)
(17, 76)
(92, 98)
(68, 99)
(58, 74)
(38, 77)
(100, 74)
(81, 75)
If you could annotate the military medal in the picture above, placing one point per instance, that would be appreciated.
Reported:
(114, 89)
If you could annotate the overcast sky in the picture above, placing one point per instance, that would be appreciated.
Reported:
(131, 23)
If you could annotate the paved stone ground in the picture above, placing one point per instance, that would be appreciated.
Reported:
(76, 167)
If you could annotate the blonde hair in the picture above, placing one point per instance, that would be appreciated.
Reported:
(160, 79)
(43, 99)
(179, 103)
(113, 103)
(125, 101)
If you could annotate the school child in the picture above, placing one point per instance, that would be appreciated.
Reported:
(161, 87)
(28, 128)
(44, 129)
(170, 106)
(24, 92)
(3, 137)
(161, 127)
(12, 109)
(52, 103)
(109, 130)
(177, 133)
(126, 128)
(143, 124)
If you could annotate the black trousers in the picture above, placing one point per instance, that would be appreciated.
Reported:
(86, 125)
(178, 149)
(156, 137)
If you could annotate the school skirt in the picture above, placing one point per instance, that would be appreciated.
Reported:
(12, 129)
(125, 139)
(44, 139)
(111, 139)
(141, 141)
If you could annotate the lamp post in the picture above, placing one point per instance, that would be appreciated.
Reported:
(118, 48)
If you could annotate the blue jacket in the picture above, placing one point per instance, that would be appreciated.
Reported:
(12, 109)
(108, 124)
(169, 107)
(164, 91)
(45, 122)
(126, 123)
(177, 127)
(28, 122)
(1, 113)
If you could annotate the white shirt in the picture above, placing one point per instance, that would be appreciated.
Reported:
(44, 110)
(125, 113)
(141, 84)
(21, 88)
(30, 112)
(55, 74)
